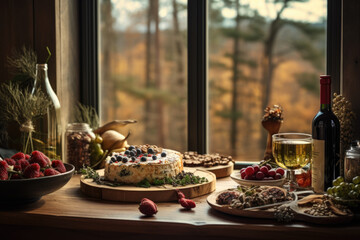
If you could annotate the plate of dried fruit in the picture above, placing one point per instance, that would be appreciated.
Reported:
(254, 202)
(321, 209)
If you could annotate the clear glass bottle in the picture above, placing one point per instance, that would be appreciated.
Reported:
(48, 135)
(77, 144)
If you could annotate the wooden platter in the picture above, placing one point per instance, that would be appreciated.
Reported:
(220, 171)
(165, 193)
(266, 211)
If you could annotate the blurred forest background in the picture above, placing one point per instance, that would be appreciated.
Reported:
(261, 52)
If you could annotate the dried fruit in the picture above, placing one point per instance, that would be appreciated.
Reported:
(147, 207)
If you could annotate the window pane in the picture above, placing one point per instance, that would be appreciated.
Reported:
(143, 59)
(262, 53)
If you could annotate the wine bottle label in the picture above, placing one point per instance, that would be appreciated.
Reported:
(318, 166)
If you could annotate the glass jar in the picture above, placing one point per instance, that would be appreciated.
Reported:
(352, 161)
(77, 144)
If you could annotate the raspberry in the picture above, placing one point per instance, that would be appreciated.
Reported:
(18, 156)
(27, 156)
(187, 203)
(147, 207)
(50, 172)
(40, 158)
(32, 171)
(58, 165)
(10, 162)
(3, 170)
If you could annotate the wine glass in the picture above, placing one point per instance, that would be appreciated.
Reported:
(292, 151)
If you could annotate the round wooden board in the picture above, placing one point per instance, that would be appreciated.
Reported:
(165, 193)
(220, 171)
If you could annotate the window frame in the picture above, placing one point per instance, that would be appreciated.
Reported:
(197, 62)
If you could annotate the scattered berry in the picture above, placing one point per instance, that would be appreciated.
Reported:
(143, 159)
(187, 203)
(147, 207)
(40, 158)
(150, 150)
(163, 154)
(50, 172)
(154, 157)
(180, 194)
(125, 160)
(32, 171)
(58, 165)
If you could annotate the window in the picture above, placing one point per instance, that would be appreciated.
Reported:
(298, 50)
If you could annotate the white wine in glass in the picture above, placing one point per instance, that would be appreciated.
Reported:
(292, 151)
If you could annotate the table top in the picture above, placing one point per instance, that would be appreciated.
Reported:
(69, 210)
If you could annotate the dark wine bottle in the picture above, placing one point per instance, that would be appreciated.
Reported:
(326, 136)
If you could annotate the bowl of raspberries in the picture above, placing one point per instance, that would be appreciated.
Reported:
(26, 178)
(259, 175)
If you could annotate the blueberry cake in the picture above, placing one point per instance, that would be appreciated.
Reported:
(135, 164)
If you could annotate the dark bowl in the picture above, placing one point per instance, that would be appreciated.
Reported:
(19, 191)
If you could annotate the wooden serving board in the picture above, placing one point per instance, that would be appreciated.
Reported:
(165, 193)
(220, 171)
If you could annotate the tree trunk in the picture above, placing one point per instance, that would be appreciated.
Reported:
(235, 78)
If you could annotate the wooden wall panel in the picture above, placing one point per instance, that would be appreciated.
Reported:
(16, 30)
(351, 57)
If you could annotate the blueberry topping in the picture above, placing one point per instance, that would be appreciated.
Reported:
(163, 154)
(151, 151)
(113, 159)
(132, 154)
(127, 152)
(143, 159)
(118, 158)
(133, 159)
(138, 151)
(154, 157)
(131, 148)
(124, 160)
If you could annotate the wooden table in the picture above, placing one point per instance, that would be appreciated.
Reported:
(69, 214)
